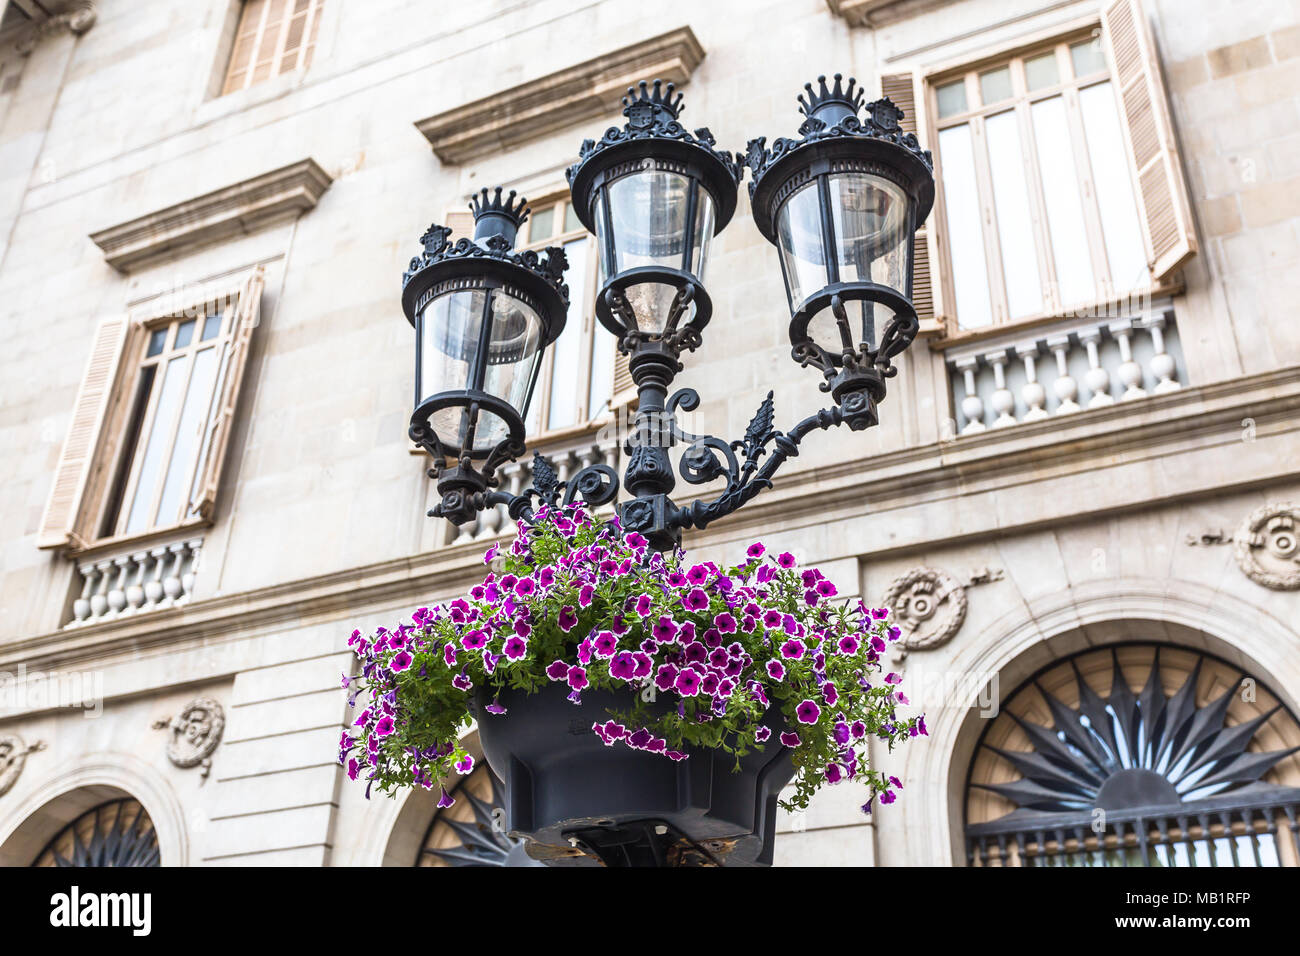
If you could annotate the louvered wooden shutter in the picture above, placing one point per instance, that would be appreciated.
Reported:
(901, 88)
(248, 310)
(58, 523)
(624, 387)
(1149, 133)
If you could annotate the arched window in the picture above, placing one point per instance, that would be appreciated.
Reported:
(117, 833)
(471, 831)
(1136, 755)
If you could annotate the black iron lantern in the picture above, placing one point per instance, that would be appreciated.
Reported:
(842, 206)
(654, 195)
(483, 314)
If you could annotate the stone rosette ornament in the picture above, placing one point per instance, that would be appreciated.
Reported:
(929, 606)
(13, 756)
(1267, 546)
(194, 733)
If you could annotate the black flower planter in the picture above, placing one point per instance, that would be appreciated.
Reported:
(584, 803)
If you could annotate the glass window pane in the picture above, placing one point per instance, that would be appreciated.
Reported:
(184, 334)
(995, 85)
(571, 221)
(1064, 206)
(160, 436)
(194, 414)
(157, 339)
(1119, 215)
(965, 237)
(1015, 225)
(513, 351)
(568, 379)
(211, 326)
(1087, 57)
(1041, 71)
(952, 98)
(541, 224)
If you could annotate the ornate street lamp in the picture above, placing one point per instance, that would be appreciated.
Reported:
(482, 315)
(842, 204)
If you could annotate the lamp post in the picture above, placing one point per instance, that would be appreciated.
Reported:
(841, 203)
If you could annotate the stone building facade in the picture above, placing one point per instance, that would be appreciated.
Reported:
(1085, 483)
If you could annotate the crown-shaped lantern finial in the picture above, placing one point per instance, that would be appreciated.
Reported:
(495, 215)
(830, 104)
(647, 103)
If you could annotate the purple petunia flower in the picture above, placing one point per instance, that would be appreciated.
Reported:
(525, 586)
(384, 726)
(775, 670)
(858, 729)
(762, 734)
(623, 666)
(605, 644)
(401, 661)
(577, 677)
(888, 797)
(446, 800)
(807, 712)
(725, 623)
(494, 708)
(833, 773)
(557, 670)
(474, 640)
(826, 589)
(585, 595)
(461, 682)
(688, 682)
(755, 550)
(643, 663)
(664, 631)
(487, 559)
(785, 559)
(353, 768)
(790, 739)
(516, 647)
(896, 782)
(830, 694)
(792, 649)
(568, 619)
(695, 600)
(892, 678)
(643, 605)
(697, 574)
(464, 765)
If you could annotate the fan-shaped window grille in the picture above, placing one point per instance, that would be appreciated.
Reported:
(1137, 755)
(118, 833)
(471, 831)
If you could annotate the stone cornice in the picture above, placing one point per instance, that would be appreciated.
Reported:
(1203, 418)
(875, 13)
(585, 91)
(235, 210)
(47, 19)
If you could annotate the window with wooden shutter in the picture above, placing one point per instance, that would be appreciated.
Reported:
(153, 421)
(901, 88)
(273, 37)
(1148, 130)
(221, 419)
(1037, 205)
(59, 521)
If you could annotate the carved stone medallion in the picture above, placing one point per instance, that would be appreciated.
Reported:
(929, 606)
(1267, 546)
(13, 754)
(194, 733)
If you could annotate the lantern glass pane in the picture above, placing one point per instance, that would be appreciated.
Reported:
(451, 326)
(869, 216)
(647, 218)
(799, 239)
(514, 348)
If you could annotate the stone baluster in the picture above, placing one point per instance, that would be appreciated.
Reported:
(117, 593)
(195, 549)
(153, 587)
(99, 600)
(972, 406)
(1163, 366)
(171, 582)
(81, 606)
(1065, 387)
(1130, 372)
(1004, 403)
(135, 590)
(1033, 393)
(1097, 379)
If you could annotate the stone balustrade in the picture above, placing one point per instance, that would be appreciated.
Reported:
(136, 582)
(1063, 369)
(518, 475)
